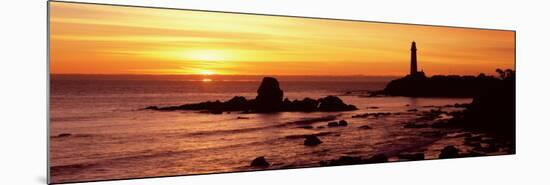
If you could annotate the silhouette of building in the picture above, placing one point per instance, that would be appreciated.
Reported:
(414, 65)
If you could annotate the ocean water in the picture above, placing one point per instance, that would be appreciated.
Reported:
(111, 137)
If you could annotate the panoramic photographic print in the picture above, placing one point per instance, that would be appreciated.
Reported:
(141, 92)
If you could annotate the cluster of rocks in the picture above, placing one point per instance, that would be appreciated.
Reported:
(456, 105)
(439, 86)
(341, 123)
(375, 115)
(350, 160)
(312, 140)
(269, 99)
(431, 119)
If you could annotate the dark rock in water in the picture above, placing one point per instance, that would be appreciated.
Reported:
(377, 114)
(365, 115)
(344, 160)
(342, 123)
(332, 124)
(412, 110)
(411, 156)
(237, 101)
(378, 158)
(270, 96)
(268, 100)
(305, 105)
(333, 103)
(306, 127)
(366, 127)
(312, 140)
(304, 136)
(449, 152)
(350, 160)
(259, 162)
(64, 135)
(241, 117)
(215, 111)
(373, 107)
(321, 127)
(152, 108)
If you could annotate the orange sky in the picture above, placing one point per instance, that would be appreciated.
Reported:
(99, 39)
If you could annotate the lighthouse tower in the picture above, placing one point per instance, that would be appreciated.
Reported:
(413, 60)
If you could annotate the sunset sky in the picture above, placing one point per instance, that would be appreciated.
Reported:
(99, 39)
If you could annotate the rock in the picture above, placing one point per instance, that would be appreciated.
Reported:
(378, 158)
(306, 127)
(241, 117)
(332, 124)
(64, 135)
(305, 105)
(268, 100)
(365, 115)
(350, 160)
(215, 111)
(411, 156)
(343, 160)
(412, 110)
(449, 152)
(259, 162)
(321, 127)
(366, 127)
(152, 108)
(342, 123)
(237, 102)
(312, 140)
(270, 96)
(333, 103)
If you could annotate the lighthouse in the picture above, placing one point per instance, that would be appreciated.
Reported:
(413, 60)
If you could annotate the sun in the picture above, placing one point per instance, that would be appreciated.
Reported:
(206, 80)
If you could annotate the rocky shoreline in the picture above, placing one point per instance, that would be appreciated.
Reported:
(472, 143)
(482, 135)
(484, 127)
